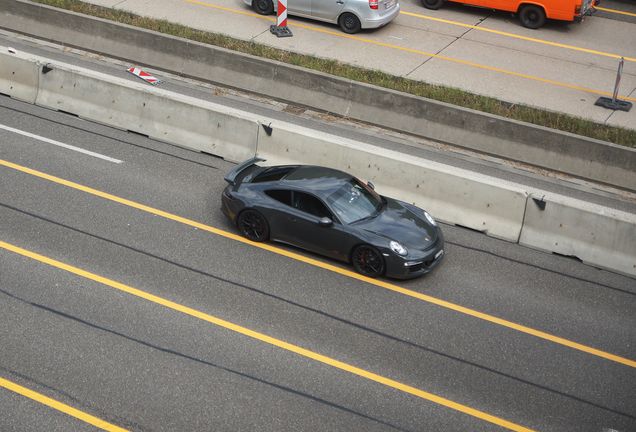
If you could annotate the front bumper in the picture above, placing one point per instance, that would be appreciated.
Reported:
(410, 268)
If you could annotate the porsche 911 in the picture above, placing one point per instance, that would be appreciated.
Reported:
(332, 213)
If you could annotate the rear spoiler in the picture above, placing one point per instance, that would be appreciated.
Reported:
(231, 176)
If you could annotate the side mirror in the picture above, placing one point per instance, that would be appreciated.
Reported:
(371, 185)
(325, 222)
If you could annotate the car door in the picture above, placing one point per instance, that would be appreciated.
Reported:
(307, 231)
(327, 10)
(299, 7)
(278, 215)
(506, 5)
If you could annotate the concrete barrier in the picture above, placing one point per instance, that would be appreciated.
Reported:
(546, 148)
(451, 196)
(598, 236)
(148, 110)
(18, 76)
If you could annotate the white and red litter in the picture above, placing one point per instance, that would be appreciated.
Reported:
(144, 76)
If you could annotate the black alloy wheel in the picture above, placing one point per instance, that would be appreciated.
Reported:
(349, 23)
(253, 225)
(368, 261)
(432, 4)
(532, 16)
(263, 7)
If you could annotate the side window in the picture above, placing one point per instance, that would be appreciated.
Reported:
(310, 204)
(283, 196)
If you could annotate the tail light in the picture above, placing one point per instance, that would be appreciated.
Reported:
(227, 193)
(577, 9)
(373, 4)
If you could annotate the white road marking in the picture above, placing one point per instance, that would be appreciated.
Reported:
(59, 144)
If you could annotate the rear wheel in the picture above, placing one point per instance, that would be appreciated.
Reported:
(432, 4)
(253, 225)
(531, 16)
(349, 23)
(263, 7)
(368, 261)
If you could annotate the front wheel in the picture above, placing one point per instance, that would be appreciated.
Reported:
(263, 7)
(349, 23)
(432, 4)
(532, 16)
(253, 225)
(368, 261)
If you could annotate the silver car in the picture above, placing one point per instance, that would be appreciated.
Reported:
(350, 15)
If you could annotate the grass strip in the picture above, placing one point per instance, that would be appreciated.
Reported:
(524, 113)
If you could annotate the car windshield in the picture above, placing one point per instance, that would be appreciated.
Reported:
(355, 201)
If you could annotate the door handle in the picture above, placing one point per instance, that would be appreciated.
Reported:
(339, 2)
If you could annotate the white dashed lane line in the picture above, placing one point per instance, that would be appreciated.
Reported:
(59, 144)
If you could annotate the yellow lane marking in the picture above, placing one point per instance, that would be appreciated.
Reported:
(231, 10)
(268, 339)
(615, 11)
(332, 268)
(60, 406)
(477, 65)
(512, 35)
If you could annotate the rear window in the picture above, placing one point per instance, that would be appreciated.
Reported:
(274, 174)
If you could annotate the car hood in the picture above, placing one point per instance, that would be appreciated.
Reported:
(398, 222)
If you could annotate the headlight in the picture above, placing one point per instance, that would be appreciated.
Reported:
(398, 248)
(430, 218)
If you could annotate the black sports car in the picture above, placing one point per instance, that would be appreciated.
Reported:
(333, 213)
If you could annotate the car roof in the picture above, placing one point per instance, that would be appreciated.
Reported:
(317, 179)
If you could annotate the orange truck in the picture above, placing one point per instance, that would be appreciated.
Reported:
(532, 13)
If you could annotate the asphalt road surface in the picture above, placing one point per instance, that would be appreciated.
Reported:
(128, 301)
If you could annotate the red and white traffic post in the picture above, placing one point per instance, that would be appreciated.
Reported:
(614, 103)
(618, 78)
(144, 76)
(280, 29)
